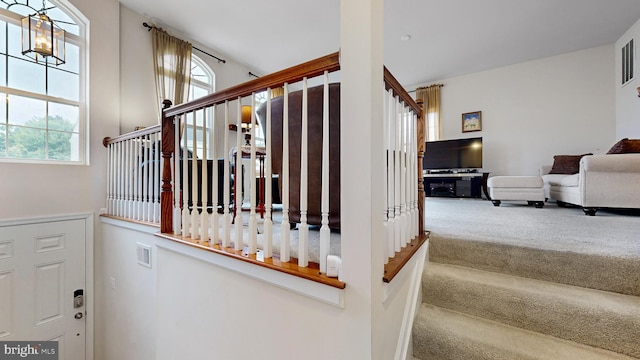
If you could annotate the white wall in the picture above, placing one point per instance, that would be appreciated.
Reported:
(127, 295)
(187, 308)
(627, 101)
(531, 111)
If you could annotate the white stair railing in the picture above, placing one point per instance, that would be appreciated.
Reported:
(400, 176)
(133, 173)
(135, 177)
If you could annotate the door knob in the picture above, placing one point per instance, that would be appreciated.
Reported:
(78, 316)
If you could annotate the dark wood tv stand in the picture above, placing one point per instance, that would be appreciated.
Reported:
(456, 184)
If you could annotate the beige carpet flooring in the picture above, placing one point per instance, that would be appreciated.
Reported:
(615, 233)
(517, 282)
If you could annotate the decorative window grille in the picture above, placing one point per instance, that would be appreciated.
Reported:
(628, 64)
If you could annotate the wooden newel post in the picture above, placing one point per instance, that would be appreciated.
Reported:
(421, 149)
(166, 196)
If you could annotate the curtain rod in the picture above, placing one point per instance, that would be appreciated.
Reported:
(202, 51)
(425, 87)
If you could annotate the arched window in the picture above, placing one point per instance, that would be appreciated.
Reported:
(202, 83)
(42, 106)
(203, 79)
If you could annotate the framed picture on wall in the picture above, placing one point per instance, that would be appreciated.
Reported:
(472, 121)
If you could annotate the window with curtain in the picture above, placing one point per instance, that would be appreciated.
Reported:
(42, 106)
(430, 97)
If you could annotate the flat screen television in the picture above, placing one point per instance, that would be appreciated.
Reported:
(453, 154)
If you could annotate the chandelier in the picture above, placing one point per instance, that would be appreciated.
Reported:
(42, 39)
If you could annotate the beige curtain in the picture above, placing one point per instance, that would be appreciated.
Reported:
(172, 67)
(277, 92)
(430, 96)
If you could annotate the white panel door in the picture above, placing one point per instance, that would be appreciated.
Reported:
(41, 266)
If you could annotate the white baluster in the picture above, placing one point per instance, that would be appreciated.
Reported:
(136, 178)
(403, 177)
(204, 214)
(156, 178)
(325, 234)
(215, 222)
(226, 218)
(125, 183)
(115, 191)
(176, 166)
(149, 184)
(409, 181)
(118, 176)
(183, 154)
(390, 125)
(268, 222)
(115, 176)
(253, 222)
(238, 202)
(151, 166)
(141, 183)
(414, 174)
(195, 217)
(385, 171)
(144, 186)
(285, 254)
(110, 179)
(127, 179)
(130, 179)
(396, 181)
(123, 178)
(131, 167)
(410, 174)
(303, 233)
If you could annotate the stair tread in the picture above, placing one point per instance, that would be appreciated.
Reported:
(596, 271)
(445, 334)
(592, 317)
(580, 295)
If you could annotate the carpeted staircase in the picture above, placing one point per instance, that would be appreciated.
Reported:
(492, 300)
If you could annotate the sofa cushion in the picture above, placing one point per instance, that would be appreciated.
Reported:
(515, 182)
(566, 164)
(561, 180)
(625, 146)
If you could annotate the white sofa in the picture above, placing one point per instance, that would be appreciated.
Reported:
(603, 181)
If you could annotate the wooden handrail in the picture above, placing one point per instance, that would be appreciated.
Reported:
(309, 69)
(391, 82)
(132, 135)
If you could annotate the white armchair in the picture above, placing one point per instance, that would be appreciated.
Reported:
(603, 181)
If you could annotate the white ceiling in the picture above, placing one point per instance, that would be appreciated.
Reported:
(448, 37)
